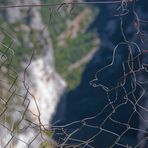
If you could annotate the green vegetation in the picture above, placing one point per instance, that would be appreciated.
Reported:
(47, 144)
(44, 145)
(48, 133)
(10, 37)
(57, 20)
(74, 48)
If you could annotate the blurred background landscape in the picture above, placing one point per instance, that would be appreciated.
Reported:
(51, 53)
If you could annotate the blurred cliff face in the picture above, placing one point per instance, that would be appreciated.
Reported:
(40, 87)
(37, 85)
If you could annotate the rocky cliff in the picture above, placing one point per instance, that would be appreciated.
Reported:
(39, 87)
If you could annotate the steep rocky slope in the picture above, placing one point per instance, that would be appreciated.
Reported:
(34, 87)
(37, 82)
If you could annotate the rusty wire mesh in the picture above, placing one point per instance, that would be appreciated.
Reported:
(14, 105)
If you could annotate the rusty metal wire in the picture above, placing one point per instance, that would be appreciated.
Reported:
(16, 105)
